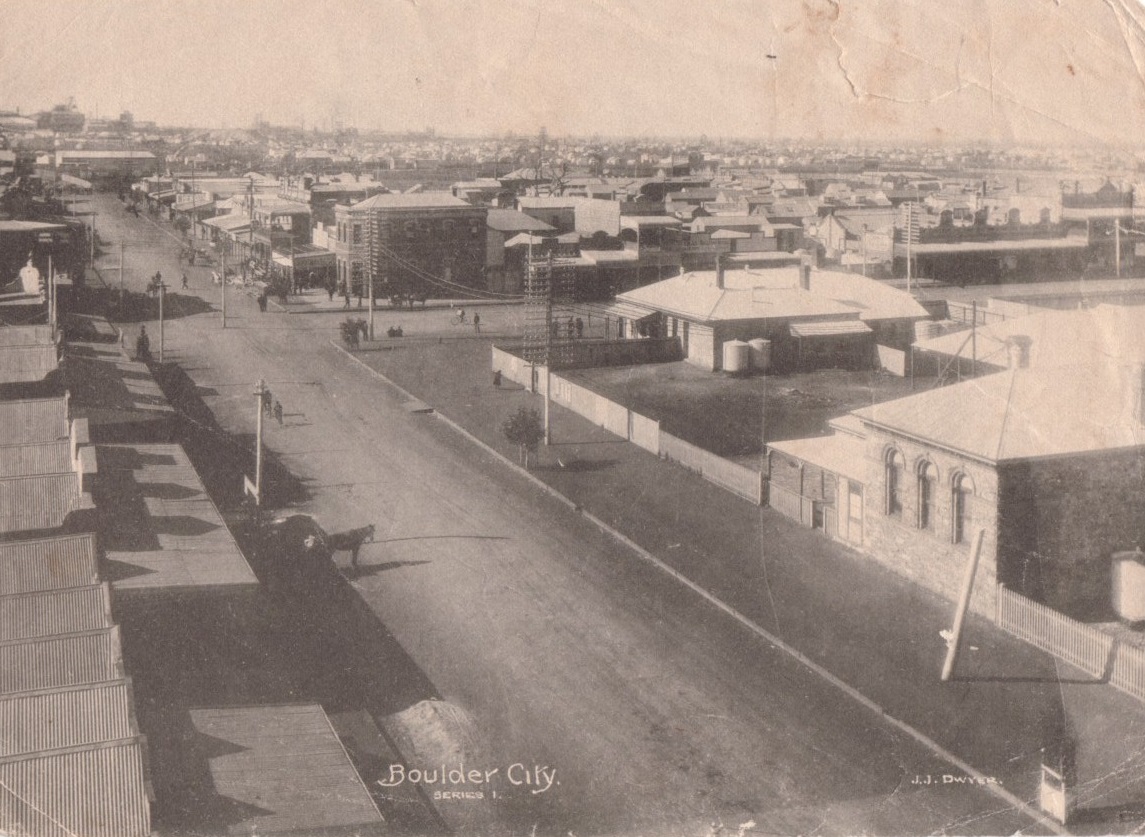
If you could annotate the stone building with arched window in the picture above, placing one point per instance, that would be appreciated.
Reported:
(1048, 463)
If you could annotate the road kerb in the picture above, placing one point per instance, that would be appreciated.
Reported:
(923, 739)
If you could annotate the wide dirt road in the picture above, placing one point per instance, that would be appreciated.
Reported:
(629, 705)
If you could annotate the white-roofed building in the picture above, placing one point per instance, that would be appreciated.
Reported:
(813, 318)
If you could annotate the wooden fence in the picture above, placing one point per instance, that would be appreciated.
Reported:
(1128, 671)
(1079, 644)
(715, 469)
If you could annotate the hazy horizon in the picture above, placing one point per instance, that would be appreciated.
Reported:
(989, 72)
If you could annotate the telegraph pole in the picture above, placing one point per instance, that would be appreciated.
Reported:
(162, 293)
(371, 280)
(223, 283)
(259, 392)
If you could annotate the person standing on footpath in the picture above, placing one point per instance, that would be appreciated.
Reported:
(278, 412)
(476, 322)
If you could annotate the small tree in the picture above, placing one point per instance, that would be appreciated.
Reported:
(350, 330)
(525, 430)
(182, 223)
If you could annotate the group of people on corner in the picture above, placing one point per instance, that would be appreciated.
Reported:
(271, 406)
(574, 328)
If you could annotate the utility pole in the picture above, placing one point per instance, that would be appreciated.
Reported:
(121, 288)
(955, 638)
(259, 394)
(250, 224)
(51, 294)
(162, 293)
(370, 275)
(1117, 247)
(223, 283)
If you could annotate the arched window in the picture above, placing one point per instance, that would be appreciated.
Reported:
(926, 477)
(961, 490)
(893, 465)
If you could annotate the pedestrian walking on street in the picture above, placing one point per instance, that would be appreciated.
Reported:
(262, 302)
(143, 345)
(278, 412)
(267, 398)
(477, 322)
(570, 328)
(185, 285)
(579, 328)
(346, 296)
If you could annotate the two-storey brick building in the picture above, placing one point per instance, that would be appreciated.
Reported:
(423, 244)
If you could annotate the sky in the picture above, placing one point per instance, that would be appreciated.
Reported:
(851, 71)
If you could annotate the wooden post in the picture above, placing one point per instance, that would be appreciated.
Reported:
(963, 605)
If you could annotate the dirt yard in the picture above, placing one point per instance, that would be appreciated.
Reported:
(723, 414)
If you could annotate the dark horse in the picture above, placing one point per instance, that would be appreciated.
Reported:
(351, 541)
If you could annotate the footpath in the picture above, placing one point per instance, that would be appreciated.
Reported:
(865, 629)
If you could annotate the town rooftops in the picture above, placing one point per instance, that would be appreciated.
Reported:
(39, 458)
(48, 612)
(159, 529)
(27, 363)
(416, 200)
(841, 454)
(29, 335)
(1095, 335)
(510, 220)
(60, 660)
(775, 293)
(1001, 246)
(9, 226)
(57, 563)
(97, 790)
(228, 223)
(97, 154)
(70, 716)
(1021, 413)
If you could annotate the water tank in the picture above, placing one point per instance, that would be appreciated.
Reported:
(1129, 585)
(926, 330)
(737, 357)
(760, 353)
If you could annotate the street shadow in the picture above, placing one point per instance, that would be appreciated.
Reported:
(578, 466)
(1104, 814)
(367, 570)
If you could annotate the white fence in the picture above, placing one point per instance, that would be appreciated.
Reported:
(1078, 644)
(1128, 672)
(636, 428)
(727, 474)
(644, 432)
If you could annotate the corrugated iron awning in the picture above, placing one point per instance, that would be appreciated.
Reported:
(833, 328)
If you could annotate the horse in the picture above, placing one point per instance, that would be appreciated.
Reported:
(351, 541)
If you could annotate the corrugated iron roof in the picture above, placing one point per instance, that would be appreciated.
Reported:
(32, 420)
(50, 612)
(93, 791)
(830, 328)
(48, 564)
(37, 502)
(37, 459)
(28, 335)
(64, 660)
(26, 364)
(31, 722)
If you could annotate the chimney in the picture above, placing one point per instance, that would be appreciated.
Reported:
(720, 271)
(1018, 347)
(805, 271)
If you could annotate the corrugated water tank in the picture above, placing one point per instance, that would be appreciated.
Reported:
(760, 354)
(737, 357)
(1129, 585)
